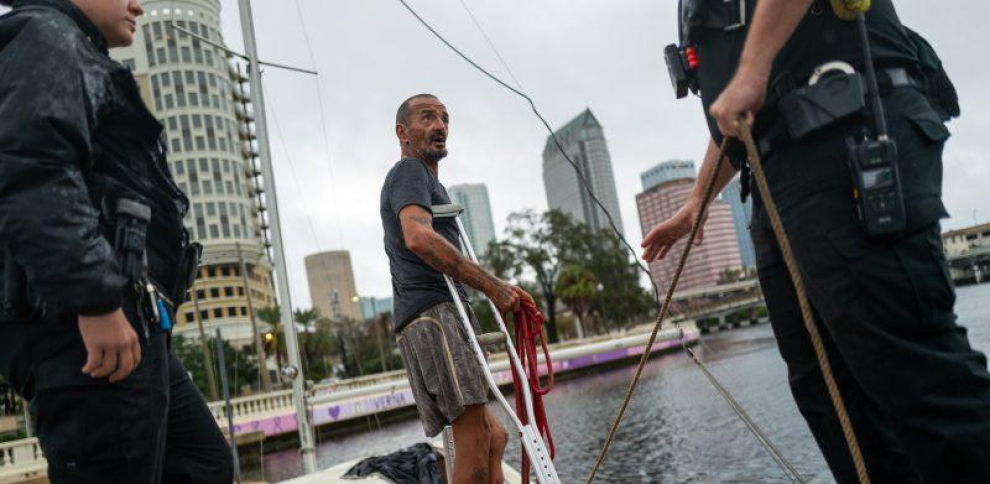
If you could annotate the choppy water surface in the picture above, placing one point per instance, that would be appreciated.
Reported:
(677, 429)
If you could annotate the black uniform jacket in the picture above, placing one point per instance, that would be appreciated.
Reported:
(75, 136)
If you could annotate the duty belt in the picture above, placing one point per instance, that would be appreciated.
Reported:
(776, 133)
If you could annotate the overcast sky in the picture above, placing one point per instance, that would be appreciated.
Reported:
(568, 55)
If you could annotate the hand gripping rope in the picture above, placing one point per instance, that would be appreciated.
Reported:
(529, 327)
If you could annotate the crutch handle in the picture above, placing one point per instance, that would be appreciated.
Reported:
(450, 210)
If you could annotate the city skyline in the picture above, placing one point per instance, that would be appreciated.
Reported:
(583, 141)
(329, 175)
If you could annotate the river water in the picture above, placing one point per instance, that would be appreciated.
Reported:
(677, 429)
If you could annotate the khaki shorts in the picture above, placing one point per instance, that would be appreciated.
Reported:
(444, 373)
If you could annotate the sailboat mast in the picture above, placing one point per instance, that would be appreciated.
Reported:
(307, 448)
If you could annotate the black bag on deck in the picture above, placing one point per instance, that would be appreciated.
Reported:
(415, 465)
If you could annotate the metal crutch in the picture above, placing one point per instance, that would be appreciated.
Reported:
(531, 440)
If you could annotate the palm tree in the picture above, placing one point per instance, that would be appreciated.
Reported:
(306, 317)
(577, 287)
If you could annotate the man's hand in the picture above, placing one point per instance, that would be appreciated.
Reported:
(742, 98)
(659, 241)
(508, 298)
(112, 346)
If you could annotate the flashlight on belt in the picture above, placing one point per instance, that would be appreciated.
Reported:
(681, 65)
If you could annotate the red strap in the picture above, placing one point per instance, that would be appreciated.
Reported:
(529, 328)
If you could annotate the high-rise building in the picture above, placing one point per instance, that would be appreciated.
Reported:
(584, 142)
(667, 171)
(707, 262)
(331, 285)
(198, 94)
(375, 306)
(742, 213)
(477, 216)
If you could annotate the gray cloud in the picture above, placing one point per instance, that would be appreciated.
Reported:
(568, 55)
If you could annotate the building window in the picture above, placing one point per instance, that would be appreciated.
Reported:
(240, 291)
(186, 132)
(218, 313)
(225, 272)
(207, 187)
(212, 272)
(204, 315)
(186, 54)
(214, 292)
(228, 291)
(189, 316)
(233, 311)
(214, 231)
(200, 294)
(211, 210)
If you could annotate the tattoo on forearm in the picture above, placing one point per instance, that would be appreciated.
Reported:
(439, 254)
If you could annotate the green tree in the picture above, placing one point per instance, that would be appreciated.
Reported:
(577, 288)
(536, 244)
(241, 365)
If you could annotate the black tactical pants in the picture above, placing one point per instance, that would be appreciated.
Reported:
(152, 427)
(918, 395)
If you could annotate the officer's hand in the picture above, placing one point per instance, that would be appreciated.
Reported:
(742, 98)
(659, 241)
(113, 348)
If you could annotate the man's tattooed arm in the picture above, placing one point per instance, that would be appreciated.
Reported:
(438, 253)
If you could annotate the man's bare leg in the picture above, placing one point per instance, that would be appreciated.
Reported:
(472, 444)
(499, 439)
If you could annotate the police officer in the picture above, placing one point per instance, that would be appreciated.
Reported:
(918, 395)
(95, 255)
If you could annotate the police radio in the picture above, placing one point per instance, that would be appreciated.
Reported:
(874, 162)
(681, 65)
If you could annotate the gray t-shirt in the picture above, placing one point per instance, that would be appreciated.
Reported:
(416, 286)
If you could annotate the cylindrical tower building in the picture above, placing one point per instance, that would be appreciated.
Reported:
(198, 94)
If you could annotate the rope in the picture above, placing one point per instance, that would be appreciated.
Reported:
(529, 327)
(764, 440)
(812, 328)
(809, 322)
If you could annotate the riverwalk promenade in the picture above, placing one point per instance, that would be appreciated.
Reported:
(261, 416)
